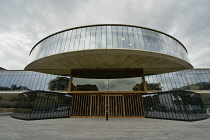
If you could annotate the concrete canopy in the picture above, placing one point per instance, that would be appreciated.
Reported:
(151, 62)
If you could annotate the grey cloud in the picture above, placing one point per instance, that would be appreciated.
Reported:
(188, 21)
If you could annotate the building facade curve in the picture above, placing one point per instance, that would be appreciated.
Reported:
(107, 70)
(123, 41)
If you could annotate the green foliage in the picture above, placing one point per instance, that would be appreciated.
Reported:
(59, 83)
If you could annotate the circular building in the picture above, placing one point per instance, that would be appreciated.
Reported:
(108, 46)
(106, 66)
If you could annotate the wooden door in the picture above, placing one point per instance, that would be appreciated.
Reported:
(115, 105)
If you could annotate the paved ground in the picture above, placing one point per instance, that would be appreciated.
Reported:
(95, 128)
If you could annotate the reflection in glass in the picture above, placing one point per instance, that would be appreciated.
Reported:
(41, 105)
(177, 105)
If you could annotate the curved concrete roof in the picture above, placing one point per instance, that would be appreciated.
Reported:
(152, 62)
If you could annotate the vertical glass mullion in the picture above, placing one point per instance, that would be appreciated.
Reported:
(120, 37)
(53, 44)
(157, 43)
(79, 35)
(1, 77)
(82, 39)
(10, 78)
(5, 78)
(66, 42)
(136, 39)
(25, 76)
(45, 53)
(166, 105)
(87, 38)
(164, 115)
(56, 42)
(173, 105)
(73, 38)
(109, 37)
(48, 51)
(92, 38)
(43, 48)
(130, 38)
(202, 80)
(39, 83)
(44, 106)
(150, 41)
(141, 39)
(69, 42)
(98, 36)
(76, 40)
(6, 81)
(60, 43)
(125, 35)
(145, 39)
(114, 37)
(33, 79)
(207, 75)
(17, 80)
(104, 38)
(39, 111)
(164, 98)
(163, 44)
(180, 112)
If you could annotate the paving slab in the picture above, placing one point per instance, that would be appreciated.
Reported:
(100, 129)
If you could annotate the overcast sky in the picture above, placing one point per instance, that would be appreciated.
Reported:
(24, 22)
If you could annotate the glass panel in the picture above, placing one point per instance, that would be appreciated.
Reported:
(104, 38)
(109, 38)
(104, 81)
(93, 38)
(87, 38)
(98, 36)
(77, 39)
(131, 44)
(114, 37)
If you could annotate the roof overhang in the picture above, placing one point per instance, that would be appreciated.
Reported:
(151, 62)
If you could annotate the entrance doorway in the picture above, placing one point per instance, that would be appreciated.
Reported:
(84, 105)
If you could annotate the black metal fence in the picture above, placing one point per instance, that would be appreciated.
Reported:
(176, 105)
(42, 104)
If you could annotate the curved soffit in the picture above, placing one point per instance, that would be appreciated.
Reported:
(152, 62)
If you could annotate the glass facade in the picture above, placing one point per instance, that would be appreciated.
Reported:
(168, 95)
(193, 79)
(107, 80)
(176, 105)
(28, 80)
(109, 37)
(42, 105)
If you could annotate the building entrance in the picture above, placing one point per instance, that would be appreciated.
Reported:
(87, 105)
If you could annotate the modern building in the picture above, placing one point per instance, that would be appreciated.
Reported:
(109, 70)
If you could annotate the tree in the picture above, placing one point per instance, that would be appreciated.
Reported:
(59, 83)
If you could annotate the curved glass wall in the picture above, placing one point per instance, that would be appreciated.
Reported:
(109, 37)
(194, 79)
(28, 80)
(107, 80)
(177, 105)
(42, 104)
